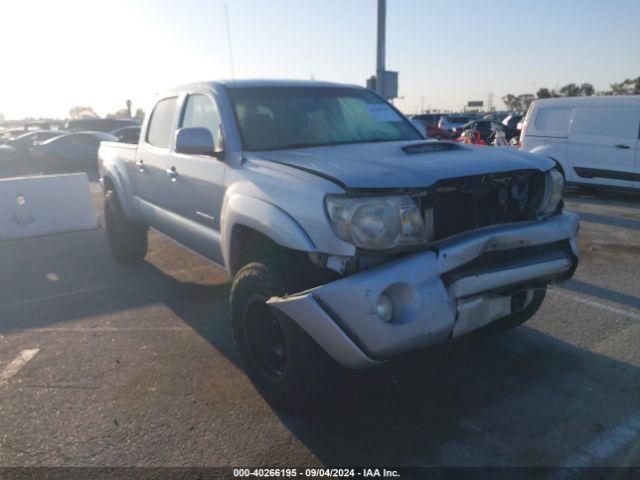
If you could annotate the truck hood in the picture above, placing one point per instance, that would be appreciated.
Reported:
(387, 165)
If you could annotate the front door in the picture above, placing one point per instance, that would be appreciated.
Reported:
(197, 185)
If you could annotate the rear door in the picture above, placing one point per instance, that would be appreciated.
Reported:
(197, 189)
(602, 144)
(150, 172)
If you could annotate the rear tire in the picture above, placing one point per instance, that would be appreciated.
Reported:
(517, 319)
(127, 239)
(280, 358)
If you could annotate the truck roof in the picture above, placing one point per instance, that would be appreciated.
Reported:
(257, 83)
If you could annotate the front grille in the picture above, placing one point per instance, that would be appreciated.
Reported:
(496, 261)
(458, 205)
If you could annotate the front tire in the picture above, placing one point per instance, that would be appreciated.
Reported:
(127, 239)
(284, 363)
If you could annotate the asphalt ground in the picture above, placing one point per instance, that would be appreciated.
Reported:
(102, 365)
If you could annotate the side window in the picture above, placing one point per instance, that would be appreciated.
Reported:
(201, 112)
(553, 120)
(88, 140)
(617, 122)
(160, 123)
(130, 135)
(484, 126)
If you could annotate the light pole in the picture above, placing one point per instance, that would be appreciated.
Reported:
(380, 48)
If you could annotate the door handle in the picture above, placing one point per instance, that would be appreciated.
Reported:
(140, 165)
(173, 174)
(622, 145)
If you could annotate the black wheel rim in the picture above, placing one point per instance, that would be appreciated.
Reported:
(265, 338)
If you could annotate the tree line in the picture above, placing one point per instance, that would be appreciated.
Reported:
(89, 112)
(630, 86)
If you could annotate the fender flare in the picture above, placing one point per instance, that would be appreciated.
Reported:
(113, 176)
(264, 217)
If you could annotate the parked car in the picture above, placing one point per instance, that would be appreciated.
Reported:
(495, 116)
(130, 134)
(11, 163)
(430, 119)
(512, 120)
(24, 142)
(421, 127)
(100, 124)
(10, 134)
(429, 131)
(71, 152)
(486, 130)
(594, 139)
(437, 133)
(349, 238)
(449, 122)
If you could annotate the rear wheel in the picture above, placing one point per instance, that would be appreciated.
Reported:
(127, 239)
(521, 316)
(284, 363)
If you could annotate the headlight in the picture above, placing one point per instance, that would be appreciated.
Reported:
(376, 222)
(553, 193)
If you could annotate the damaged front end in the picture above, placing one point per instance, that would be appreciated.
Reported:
(492, 240)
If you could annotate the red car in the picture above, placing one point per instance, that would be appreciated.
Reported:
(437, 133)
(432, 131)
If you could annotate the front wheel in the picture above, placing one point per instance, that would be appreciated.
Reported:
(127, 239)
(284, 363)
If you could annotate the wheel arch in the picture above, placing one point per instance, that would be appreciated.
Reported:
(113, 182)
(250, 227)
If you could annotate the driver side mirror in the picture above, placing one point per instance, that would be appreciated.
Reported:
(196, 141)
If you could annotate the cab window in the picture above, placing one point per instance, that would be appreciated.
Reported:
(160, 123)
(200, 111)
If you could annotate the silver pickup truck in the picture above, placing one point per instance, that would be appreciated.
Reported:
(348, 236)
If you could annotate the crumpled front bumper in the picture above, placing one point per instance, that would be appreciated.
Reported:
(458, 285)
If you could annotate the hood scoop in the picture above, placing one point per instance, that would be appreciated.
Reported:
(428, 147)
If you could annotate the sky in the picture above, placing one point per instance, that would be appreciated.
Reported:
(58, 54)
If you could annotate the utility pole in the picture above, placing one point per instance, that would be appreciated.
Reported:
(380, 50)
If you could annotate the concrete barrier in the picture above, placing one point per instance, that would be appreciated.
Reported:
(32, 206)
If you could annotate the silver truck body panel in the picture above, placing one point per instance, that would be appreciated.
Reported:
(115, 158)
(386, 165)
(427, 311)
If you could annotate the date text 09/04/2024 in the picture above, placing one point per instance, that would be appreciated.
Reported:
(315, 473)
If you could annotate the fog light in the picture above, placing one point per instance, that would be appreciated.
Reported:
(384, 308)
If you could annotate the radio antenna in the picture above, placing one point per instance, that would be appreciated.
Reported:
(226, 14)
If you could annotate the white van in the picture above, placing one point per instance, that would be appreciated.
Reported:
(595, 139)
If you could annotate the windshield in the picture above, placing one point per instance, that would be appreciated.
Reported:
(276, 118)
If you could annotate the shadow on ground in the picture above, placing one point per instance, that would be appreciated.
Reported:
(521, 398)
